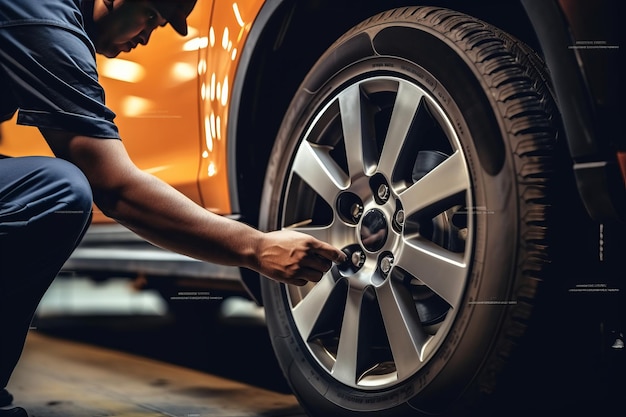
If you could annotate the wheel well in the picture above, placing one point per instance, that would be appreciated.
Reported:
(285, 41)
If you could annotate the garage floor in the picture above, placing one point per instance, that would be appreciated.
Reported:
(60, 378)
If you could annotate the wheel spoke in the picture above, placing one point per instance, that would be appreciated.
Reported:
(307, 311)
(345, 368)
(358, 137)
(442, 271)
(319, 171)
(405, 108)
(446, 180)
(404, 329)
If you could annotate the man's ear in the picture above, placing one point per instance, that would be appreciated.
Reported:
(102, 8)
(108, 4)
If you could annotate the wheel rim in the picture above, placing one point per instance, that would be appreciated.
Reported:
(380, 173)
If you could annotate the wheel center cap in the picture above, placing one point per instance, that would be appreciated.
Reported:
(374, 230)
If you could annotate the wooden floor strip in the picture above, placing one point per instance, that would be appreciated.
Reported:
(60, 378)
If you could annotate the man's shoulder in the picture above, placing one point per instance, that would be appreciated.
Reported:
(68, 12)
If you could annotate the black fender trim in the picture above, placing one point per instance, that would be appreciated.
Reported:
(250, 279)
(265, 14)
(597, 174)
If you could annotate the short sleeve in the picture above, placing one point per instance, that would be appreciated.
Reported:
(53, 78)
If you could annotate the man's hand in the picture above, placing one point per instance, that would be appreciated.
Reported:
(295, 258)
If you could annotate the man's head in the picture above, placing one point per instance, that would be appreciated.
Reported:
(123, 24)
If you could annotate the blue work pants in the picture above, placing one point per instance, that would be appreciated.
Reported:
(45, 208)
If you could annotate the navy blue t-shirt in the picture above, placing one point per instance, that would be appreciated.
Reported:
(48, 67)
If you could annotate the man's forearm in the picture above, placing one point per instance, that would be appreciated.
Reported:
(167, 218)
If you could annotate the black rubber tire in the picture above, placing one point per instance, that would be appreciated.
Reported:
(490, 88)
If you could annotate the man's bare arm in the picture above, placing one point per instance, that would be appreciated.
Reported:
(167, 218)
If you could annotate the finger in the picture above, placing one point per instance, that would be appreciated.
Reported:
(297, 282)
(308, 275)
(329, 252)
(313, 260)
(316, 263)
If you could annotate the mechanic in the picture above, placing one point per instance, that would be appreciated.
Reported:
(48, 75)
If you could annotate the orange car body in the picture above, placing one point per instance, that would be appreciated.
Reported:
(171, 99)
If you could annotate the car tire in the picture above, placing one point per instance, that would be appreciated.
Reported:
(421, 143)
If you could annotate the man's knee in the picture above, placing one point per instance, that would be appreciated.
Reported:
(36, 188)
(68, 182)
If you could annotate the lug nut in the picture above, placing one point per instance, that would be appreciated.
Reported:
(400, 217)
(356, 211)
(383, 192)
(358, 258)
(386, 263)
